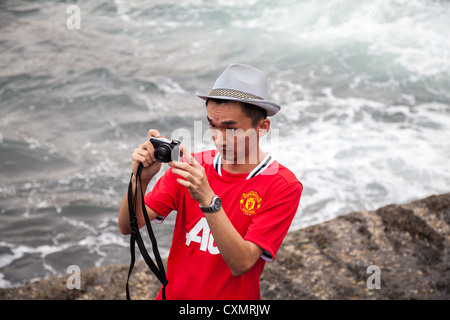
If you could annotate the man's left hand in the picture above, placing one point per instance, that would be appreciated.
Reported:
(194, 179)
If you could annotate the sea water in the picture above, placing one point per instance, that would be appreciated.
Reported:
(363, 85)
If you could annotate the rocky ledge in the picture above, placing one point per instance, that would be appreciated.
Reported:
(395, 252)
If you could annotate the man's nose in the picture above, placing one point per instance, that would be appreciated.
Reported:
(219, 136)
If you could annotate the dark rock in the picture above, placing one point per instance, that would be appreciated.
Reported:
(409, 243)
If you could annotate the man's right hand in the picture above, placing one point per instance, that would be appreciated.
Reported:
(145, 154)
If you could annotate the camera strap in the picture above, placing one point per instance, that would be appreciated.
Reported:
(135, 237)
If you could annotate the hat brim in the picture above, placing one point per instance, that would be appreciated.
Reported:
(271, 107)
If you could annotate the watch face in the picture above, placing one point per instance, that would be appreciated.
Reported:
(217, 204)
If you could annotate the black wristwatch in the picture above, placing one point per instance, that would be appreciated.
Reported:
(215, 205)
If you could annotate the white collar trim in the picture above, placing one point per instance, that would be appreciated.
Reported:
(263, 165)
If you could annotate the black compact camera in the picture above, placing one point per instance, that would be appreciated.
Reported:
(166, 150)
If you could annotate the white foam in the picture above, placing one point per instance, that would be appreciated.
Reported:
(18, 251)
(95, 241)
(347, 165)
(5, 283)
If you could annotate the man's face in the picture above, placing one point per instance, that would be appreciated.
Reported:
(232, 132)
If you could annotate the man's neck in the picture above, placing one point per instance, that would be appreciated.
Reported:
(246, 167)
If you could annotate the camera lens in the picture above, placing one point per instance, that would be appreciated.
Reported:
(163, 154)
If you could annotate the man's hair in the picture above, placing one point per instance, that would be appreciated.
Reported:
(253, 112)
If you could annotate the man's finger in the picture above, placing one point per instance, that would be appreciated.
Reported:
(189, 157)
(182, 166)
(146, 155)
(185, 183)
(181, 173)
(153, 133)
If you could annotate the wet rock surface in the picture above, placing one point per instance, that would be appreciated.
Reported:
(409, 245)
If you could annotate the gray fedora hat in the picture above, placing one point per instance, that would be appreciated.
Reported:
(243, 83)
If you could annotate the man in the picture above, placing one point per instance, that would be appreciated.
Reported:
(234, 204)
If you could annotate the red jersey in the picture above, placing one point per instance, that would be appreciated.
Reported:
(260, 205)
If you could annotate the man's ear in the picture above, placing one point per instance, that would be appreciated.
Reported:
(263, 127)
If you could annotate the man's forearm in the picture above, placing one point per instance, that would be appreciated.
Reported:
(239, 254)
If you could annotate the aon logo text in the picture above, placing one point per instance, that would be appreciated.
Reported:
(205, 238)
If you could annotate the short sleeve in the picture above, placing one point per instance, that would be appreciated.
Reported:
(270, 226)
(163, 197)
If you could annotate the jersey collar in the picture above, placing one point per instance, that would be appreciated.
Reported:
(263, 165)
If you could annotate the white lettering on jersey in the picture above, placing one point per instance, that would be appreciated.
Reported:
(206, 239)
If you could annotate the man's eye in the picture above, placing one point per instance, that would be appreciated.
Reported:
(211, 125)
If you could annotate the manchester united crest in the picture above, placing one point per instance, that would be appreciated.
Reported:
(250, 203)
